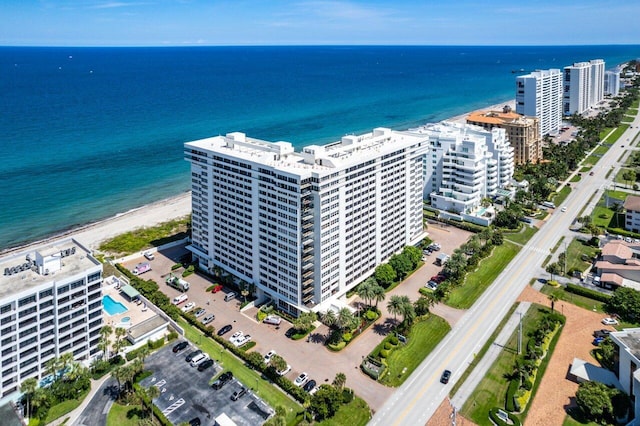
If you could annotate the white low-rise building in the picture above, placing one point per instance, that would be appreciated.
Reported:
(305, 227)
(50, 304)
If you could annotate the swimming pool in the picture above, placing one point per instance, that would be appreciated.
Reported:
(112, 307)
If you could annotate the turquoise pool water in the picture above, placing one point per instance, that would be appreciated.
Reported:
(112, 307)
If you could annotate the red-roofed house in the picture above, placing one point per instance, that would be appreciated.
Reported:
(619, 265)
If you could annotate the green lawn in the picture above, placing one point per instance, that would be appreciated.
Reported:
(422, 339)
(124, 415)
(59, 410)
(591, 160)
(627, 119)
(143, 238)
(574, 299)
(476, 282)
(617, 133)
(574, 257)
(605, 132)
(521, 237)
(601, 150)
(575, 418)
(619, 177)
(356, 413)
(491, 391)
(576, 178)
(270, 393)
(561, 196)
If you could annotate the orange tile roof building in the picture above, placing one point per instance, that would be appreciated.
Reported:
(523, 132)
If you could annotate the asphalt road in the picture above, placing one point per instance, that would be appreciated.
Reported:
(95, 413)
(418, 398)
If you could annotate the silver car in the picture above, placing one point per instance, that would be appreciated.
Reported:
(208, 319)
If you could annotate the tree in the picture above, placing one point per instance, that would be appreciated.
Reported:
(118, 374)
(278, 363)
(385, 275)
(553, 298)
(345, 319)
(626, 303)
(553, 269)
(378, 294)
(329, 318)
(401, 264)
(365, 290)
(305, 321)
(340, 380)
(423, 304)
(143, 353)
(407, 311)
(594, 400)
(118, 344)
(326, 401)
(28, 387)
(414, 254)
(394, 306)
(105, 341)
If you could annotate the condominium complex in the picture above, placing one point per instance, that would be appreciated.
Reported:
(465, 164)
(612, 82)
(50, 304)
(306, 226)
(539, 94)
(523, 133)
(583, 86)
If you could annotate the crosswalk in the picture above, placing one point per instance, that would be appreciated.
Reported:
(538, 250)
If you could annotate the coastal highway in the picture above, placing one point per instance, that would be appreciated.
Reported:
(418, 398)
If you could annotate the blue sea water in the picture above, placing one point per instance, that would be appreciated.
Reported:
(86, 133)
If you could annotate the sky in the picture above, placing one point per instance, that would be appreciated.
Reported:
(317, 22)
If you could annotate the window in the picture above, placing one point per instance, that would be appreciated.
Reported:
(27, 300)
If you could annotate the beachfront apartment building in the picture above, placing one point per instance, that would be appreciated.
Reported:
(583, 86)
(612, 82)
(523, 133)
(50, 304)
(465, 164)
(539, 94)
(307, 226)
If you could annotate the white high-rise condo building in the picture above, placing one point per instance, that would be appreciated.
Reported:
(612, 82)
(539, 94)
(577, 88)
(306, 226)
(50, 304)
(597, 81)
(465, 164)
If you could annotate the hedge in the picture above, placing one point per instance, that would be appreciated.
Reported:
(493, 415)
(151, 345)
(510, 402)
(587, 292)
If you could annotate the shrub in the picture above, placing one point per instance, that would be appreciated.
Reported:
(347, 337)
(176, 266)
(347, 395)
(387, 345)
(172, 335)
(586, 292)
(370, 316)
(260, 316)
(509, 402)
(337, 346)
(247, 346)
(393, 340)
(384, 353)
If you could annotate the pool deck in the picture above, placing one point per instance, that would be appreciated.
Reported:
(134, 312)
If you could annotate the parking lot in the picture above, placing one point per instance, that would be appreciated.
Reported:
(185, 392)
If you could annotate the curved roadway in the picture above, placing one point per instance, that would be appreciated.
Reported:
(417, 399)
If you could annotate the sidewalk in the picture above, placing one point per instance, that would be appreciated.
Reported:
(73, 415)
(481, 369)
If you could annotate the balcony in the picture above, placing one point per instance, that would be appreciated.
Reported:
(308, 274)
(307, 298)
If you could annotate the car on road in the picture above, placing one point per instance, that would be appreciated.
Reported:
(238, 394)
(308, 387)
(590, 173)
(446, 375)
(227, 328)
(180, 346)
(199, 312)
(205, 364)
(192, 355)
(189, 307)
(285, 371)
(208, 319)
(222, 380)
(268, 356)
(301, 379)
(563, 209)
(601, 333)
(609, 321)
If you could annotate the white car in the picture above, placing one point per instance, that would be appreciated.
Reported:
(268, 356)
(609, 321)
(242, 340)
(148, 255)
(285, 371)
(237, 335)
(189, 307)
(301, 379)
(563, 209)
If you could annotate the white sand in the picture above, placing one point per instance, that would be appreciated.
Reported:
(152, 214)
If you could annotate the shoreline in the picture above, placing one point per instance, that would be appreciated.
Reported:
(92, 234)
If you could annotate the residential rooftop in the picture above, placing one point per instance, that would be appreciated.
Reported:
(50, 262)
(630, 337)
(632, 203)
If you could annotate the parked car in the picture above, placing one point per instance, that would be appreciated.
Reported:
(432, 285)
(189, 307)
(205, 364)
(597, 341)
(609, 321)
(272, 319)
(308, 387)
(224, 330)
(290, 332)
(180, 346)
(222, 380)
(195, 421)
(301, 379)
(238, 394)
(148, 255)
(601, 333)
(285, 371)
(446, 375)
(268, 356)
(242, 340)
(208, 319)
(199, 312)
(180, 299)
(235, 336)
(192, 355)
(199, 359)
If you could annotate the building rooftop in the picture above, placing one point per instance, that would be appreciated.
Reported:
(617, 248)
(499, 118)
(50, 262)
(632, 203)
(629, 337)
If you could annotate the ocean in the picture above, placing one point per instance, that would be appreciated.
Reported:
(87, 133)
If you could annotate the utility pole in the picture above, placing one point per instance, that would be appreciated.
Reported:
(520, 335)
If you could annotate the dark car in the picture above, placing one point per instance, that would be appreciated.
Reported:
(308, 387)
(195, 421)
(205, 364)
(222, 380)
(180, 346)
(227, 328)
(446, 375)
(290, 332)
(189, 357)
(238, 394)
(601, 333)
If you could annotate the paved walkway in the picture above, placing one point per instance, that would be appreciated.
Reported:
(73, 416)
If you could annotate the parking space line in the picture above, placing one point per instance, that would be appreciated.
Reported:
(170, 409)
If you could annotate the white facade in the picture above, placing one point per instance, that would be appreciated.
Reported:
(597, 81)
(307, 226)
(539, 94)
(465, 164)
(577, 88)
(627, 369)
(612, 82)
(50, 304)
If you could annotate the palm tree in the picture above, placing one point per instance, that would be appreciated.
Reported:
(28, 388)
(118, 374)
(378, 294)
(365, 291)
(143, 353)
(407, 311)
(39, 399)
(345, 319)
(118, 344)
(152, 393)
(105, 334)
(394, 306)
(424, 304)
(340, 380)
(329, 318)
(553, 298)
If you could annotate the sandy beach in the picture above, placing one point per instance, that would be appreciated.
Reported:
(91, 235)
